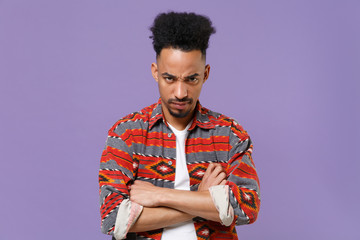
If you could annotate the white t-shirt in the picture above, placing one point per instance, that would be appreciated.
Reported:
(185, 230)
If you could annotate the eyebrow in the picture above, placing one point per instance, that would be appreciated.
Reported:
(165, 74)
(193, 75)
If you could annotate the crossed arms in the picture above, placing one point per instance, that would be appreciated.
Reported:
(118, 170)
(164, 207)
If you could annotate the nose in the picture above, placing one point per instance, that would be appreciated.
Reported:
(180, 90)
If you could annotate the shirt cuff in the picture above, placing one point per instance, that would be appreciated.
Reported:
(220, 197)
(127, 215)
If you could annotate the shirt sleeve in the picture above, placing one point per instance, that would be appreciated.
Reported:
(242, 177)
(127, 215)
(117, 171)
(220, 197)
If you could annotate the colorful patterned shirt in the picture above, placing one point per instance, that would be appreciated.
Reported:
(141, 146)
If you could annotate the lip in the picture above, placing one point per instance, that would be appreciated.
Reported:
(179, 105)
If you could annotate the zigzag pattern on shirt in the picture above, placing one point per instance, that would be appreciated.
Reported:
(154, 179)
(112, 202)
(141, 146)
(198, 162)
(211, 144)
(154, 156)
(142, 136)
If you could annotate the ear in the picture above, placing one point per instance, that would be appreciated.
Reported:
(207, 72)
(154, 71)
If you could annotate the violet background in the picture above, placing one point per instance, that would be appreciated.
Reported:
(288, 71)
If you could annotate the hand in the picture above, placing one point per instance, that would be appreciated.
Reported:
(214, 175)
(145, 193)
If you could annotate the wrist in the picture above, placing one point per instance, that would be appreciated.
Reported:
(163, 197)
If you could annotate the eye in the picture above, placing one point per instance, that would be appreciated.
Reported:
(169, 79)
(192, 80)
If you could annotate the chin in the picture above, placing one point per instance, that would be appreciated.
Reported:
(180, 114)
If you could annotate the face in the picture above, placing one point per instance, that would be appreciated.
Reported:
(180, 76)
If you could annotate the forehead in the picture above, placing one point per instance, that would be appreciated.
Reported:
(179, 62)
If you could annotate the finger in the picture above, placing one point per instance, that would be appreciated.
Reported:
(141, 183)
(215, 173)
(209, 170)
(223, 182)
(213, 166)
(217, 170)
(221, 177)
(137, 185)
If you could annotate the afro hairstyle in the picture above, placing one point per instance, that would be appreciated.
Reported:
(184, 31)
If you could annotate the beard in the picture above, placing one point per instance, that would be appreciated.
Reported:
(179, 114)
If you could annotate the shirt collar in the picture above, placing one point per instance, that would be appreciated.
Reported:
(201, 117)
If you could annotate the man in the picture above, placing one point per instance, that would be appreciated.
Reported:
(176, 170)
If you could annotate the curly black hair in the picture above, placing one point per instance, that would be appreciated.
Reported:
(184, 31)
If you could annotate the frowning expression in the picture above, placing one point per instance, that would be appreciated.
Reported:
(180, 76)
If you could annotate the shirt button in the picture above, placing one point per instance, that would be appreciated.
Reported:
(170, 163)
(169, 135)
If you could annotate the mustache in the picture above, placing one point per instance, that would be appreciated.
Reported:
(185, 99)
